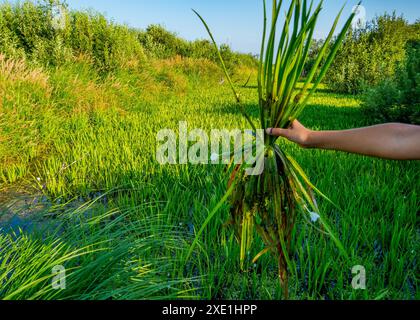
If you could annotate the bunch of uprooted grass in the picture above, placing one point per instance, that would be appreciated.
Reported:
(269, 202)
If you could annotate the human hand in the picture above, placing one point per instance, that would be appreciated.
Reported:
(296, 133)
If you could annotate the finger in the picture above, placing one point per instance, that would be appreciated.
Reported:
(296, 123)
(277, 132)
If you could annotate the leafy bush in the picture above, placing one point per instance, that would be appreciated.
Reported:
(29, 30)
(313, 54)
(398, 98)
(195, 68)
(203, 49)
(26, 29)
(161, 43)
(370, 55)
(111, 46)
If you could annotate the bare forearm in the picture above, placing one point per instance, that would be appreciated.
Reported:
(391, 141)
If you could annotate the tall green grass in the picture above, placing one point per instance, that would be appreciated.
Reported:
(103, 149)
(106, 253)
(121, 223)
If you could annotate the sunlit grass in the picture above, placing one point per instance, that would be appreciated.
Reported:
(144, 227)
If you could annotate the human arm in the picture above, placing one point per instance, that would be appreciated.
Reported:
(395, 141)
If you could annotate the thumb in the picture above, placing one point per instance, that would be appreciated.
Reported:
(277, 132)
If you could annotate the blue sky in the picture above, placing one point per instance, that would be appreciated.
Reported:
(236, 22)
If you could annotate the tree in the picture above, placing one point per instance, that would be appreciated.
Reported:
(371, 54)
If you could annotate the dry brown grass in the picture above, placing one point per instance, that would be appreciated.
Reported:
(83, 58)
(17, 70)
(89, 96)
(203, 68)
(173, 74)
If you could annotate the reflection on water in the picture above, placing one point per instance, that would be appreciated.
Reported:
(23, 212)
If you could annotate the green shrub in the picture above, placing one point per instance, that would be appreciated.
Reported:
(313, 54)
(370, 55)
(397, 98)
(161, 43)
(9, 42)
(111, 46)
(203, 49)
(28, 30)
